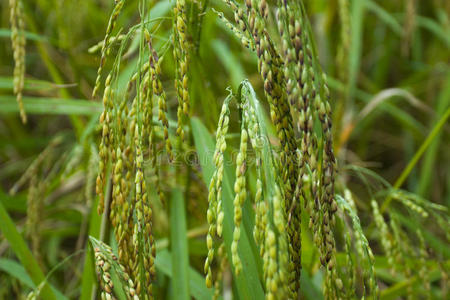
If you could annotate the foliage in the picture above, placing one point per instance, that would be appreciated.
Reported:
(197, 149)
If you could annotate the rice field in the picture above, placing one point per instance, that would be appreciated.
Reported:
(224, 149)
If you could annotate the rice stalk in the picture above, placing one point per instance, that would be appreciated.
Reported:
(181, 55)
(106, 42)
(16, 17)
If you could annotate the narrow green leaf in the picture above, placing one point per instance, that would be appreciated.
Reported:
(197, 287)
(357, 20)
(6, 33)
(434, 27)
(16, 203)
(180, 251)
(399, 114)
(16, 270)
(385, 16)
(88, 279)
(433, 134)
(7, 83)
(426, 172)
(51, 106)
(309, 288)
(22, 252)
(229, 61)
(401, 289)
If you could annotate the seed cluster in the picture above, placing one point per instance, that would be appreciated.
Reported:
(270, 230)
(103, 270)
(35, 205)
(128, 127)
(215, 213)
(160, 95)
(105, 262)
(240, 194)
(107, 41)
(18, 45)
(387, 238)
(297, 173)
(223, 265)
(423, 269)
(181, 55)
(270, 233)
(39, 175)
(397, 247)
(295, 86)
(142, 236)
(361, 248)
(402, 250)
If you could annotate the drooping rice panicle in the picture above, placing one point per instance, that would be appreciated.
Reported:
(240, 194)
(106, 42)
(16, 17)
(181, 54)
(215, 214)
(155, 75)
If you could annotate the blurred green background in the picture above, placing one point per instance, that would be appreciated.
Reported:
(388, 64)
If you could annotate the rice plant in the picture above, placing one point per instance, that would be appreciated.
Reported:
(224, 149)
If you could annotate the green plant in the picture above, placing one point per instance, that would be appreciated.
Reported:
(292, 199)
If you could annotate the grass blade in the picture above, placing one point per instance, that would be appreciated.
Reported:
(6, 33)
(52, 106)
(16, 270)
(434, 28)
(385, 16)
(88, 279)
(180, 252)
(22, 252)
(229, 61)
(7, 83)
(357, 20)
(443, 102)
(198, 290)
(433, 134)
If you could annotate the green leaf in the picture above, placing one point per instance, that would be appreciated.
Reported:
(357, 21)
(197, 287)
(180, 251)
(7, 83)
(430, 156)
(431, 136)
(88, 279)
(16, 270)
(6, 33)
(309, 288)
(385, 16)
(401, 288)
(52, 106)
(399, 114)
(22, 252)
(434, 27)
(229, 61)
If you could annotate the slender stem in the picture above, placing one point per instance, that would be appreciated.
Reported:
(401, 179)
(23, 253)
